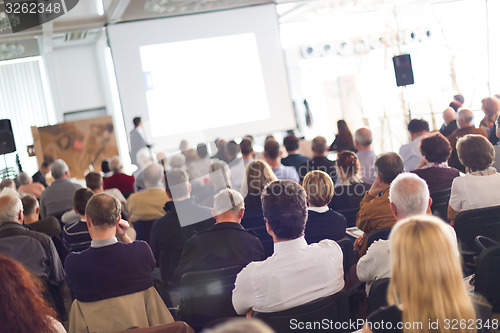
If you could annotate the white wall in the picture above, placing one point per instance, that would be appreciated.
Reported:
(75, 79)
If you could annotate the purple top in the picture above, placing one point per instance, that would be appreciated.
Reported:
(437, 178)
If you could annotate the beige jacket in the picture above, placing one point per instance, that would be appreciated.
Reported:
(141, 309)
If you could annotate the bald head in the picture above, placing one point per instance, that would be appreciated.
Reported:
(449, 115)
(464, 118)
(11, 207)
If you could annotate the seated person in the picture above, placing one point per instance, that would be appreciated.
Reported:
(375, 211)
(94, 182)
(119, 180)
(410, 153)
(291, 143)
(363, 139)
(272, 155)
(76, 235)
(259, 174)
(27, 186)
(113, 273)
(39, 176)
(296, 273)
(434, 170)
(170, 232)
(351, 190)
(322, 222)
(429, 290)
(31, 211)
(479, 187)
(408, 196)
(319, 161)
(224, 244)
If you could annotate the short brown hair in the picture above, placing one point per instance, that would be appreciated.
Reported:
(29, 204)
(272, 149)
(93, 180)
(435, 148)
(80, 200)
(388, 166)
(475, 152)
(319, 188)
(291, 142)
(246, 147)
(319, 145)
(103, 210)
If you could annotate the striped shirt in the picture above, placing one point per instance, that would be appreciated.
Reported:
(76, 236)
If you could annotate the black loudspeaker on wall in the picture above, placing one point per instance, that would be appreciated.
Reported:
(7, 143)
(403, 70)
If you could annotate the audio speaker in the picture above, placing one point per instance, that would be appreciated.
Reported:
(7, 143)
(403, 70)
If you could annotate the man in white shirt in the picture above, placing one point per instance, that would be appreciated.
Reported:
(408, 196)
(363, 143)
(410, 152)
(296, 273)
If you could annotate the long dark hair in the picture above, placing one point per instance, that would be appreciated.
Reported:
(22, 308)
(344, 134)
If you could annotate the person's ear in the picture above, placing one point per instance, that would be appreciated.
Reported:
(213, 214)
(37, 210)
(268, 228)
(20, 216)
(189, 188)
(394, 210)
(430, 203)
(241, 213)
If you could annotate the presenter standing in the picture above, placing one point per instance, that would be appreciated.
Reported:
(137, 140)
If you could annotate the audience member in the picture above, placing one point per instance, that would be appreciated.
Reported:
(177, 161)
(144, 159)
(479, 187)
(291, 143)
(259, 175)
(198, 170)
(434, 170)
(351, 190)
(375, 211)
(410, 153)
(363, 139)
(34, 250)
(246, 147)
(94, 182)
(39, 176)
(322, 221)
(7, 183)
(496, 164)
(457, 103)
(319, 161)
(26, 185)
(170, 232)
(105, 168)
(148, 204)
(224, 244)
(450, 122)
(31, 211)
(23, 308)
(343, 139)
(425, 291)
(236, 164)
(219, 178)
(491, 108)
(465, 126)
(76, 235)
(123, 267)
(58, 197)
(272, 155)
(119, 180)
(408, 196)
(220, 144)
(297, 273)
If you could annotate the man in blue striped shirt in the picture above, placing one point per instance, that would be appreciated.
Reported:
(76, 236)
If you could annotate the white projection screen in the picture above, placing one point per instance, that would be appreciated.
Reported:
(203, 76)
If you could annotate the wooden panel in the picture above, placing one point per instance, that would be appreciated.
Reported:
(81, 144)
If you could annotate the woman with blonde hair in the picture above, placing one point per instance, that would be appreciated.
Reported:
(426, 292)
(258, 175)
(322, 222)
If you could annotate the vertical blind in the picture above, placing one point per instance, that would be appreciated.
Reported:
(25, 101)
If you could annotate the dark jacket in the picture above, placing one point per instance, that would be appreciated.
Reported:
(39, 177)
(319, 163)
(224, 244)
(167, 234)
(348, 196)
(447, 130)
(327, 225)
(295, 160)
(437, 178)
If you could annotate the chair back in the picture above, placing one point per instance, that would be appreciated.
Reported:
(440, 200)
(477, 222)
(346, 245)
(378, 295)
(334, 307)
(168, 263)
(207, 295)
(143, 229)
(265, 239)
(488, 276)
(377, 235)
(350, 215)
